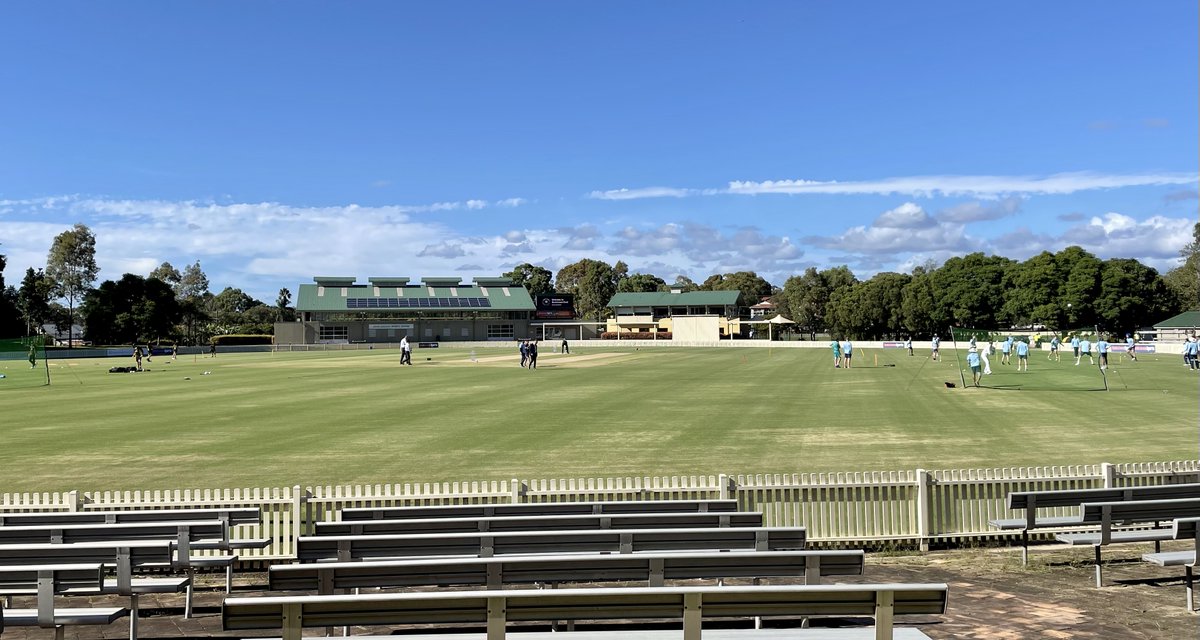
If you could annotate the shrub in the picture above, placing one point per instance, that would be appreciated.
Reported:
(642, 335)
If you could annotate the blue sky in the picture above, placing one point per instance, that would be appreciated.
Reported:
(276, 141)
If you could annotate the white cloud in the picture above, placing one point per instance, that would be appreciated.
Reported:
(509, 203)
(981, 186)
(646, 192)
(971, 186)
(476, 204)
(906, 216)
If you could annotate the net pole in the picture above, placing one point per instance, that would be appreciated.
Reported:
(45, 359)
(957, 360)
(1100, 360)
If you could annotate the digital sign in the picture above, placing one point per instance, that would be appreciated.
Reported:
(555, 305)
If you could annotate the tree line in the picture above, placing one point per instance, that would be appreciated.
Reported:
(168, 305)
(1068, 289)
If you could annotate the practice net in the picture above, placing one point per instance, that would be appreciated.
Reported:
(23, 363)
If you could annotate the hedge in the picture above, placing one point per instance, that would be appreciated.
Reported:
(628, 335)
(235, 339)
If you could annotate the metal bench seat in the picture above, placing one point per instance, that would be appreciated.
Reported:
(91, 615)
(1044, 522)
(497, 608)
(494, 573)
(1114, 537)
(508, 524)
(348, 548)
(850, 633)
(538, 508)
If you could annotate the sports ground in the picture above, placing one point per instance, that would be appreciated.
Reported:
(278, 419)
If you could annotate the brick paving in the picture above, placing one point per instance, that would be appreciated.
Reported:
(991, 598)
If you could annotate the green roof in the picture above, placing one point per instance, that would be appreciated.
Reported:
(667, 299)
(338, 294)
(1185, 320)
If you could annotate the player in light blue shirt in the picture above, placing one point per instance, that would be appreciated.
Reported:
(1102, 350)
(1005, 350)
(1022, 355)
(1075, 347)
(1131, 347)
(1085, 349)
(973, 362)
(1054, 345)
(847, 353)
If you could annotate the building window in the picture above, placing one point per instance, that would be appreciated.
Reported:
(334, 332)
(500, 332)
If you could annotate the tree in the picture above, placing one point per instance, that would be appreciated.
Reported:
(168, 274)
(191, 292)
(593, 284)
(228, 310)
(283, 303)
(803, 301)
(10, 317)
(130, 310)
(684, 284)
(641, 283)
(1130, 292)
(919, 308)
(72, 266)
(750, 287)
(870, 309)
(969, 290)
(1184, 280)
(1031, 293)
(1082, 285)
(193, 284)
(33, 299)
(535, 279)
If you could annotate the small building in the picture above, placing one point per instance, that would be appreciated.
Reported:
(764, 309)
(1177, 328)
(386, 309)
(692, 315)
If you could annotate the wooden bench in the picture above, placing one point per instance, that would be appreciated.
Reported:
(1031, 501)
(350, 548)
(497, 608)
(542, 523)
(495, 573)
(1110, 516)
(1181, 529)
(537, 509)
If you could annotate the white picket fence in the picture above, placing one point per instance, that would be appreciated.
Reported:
(916, 508)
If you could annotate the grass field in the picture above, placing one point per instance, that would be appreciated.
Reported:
(279, 419)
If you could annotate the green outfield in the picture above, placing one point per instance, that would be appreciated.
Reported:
(278, 419)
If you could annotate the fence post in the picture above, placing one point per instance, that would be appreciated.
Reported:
(1108, 472)
(723, 486)
(518, 491)
(923, 501)
(73, 502)
(299, 500)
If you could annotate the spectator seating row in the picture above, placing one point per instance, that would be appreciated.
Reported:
(498, 548)
(41, 554)
(1104, 517)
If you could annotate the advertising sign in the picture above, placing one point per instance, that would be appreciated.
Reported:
(555, 305)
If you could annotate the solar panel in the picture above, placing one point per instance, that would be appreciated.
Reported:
(419, 303)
